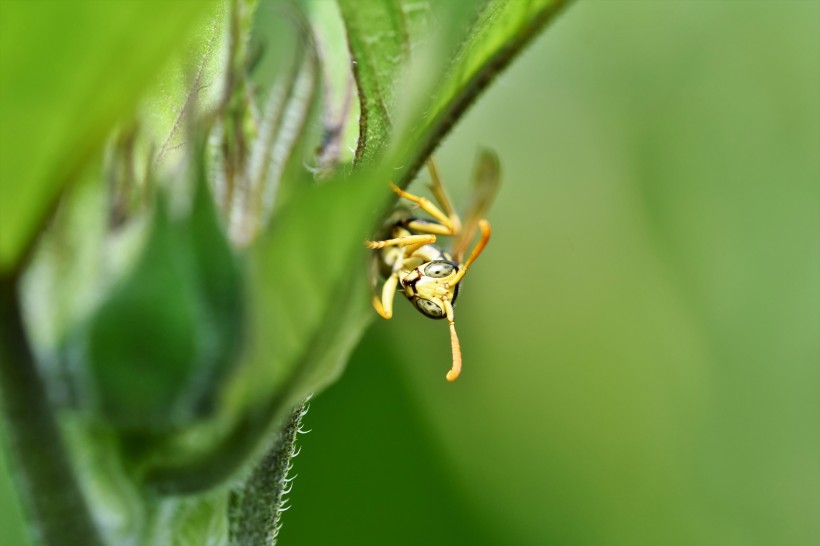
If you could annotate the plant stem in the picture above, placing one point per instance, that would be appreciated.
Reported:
(256, 506)
(58, 514)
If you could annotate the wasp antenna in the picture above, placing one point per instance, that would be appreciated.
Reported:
(455, 371)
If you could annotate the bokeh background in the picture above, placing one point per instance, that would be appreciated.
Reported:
(642, 336)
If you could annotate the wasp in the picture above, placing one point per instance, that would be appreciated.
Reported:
(410, 260)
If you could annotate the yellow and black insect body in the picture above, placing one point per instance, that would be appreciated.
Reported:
(410, 260)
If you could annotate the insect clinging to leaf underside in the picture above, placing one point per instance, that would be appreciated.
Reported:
(409, 259)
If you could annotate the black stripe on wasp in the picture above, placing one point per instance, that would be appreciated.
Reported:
(410, 260)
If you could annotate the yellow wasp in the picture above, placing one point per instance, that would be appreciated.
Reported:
(408, 256)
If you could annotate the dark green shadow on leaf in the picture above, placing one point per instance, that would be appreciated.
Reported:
(162, 343)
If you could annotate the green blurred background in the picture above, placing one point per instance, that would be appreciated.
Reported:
(642, 336)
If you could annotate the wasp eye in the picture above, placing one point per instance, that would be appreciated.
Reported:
(429, 308)
(439, 269)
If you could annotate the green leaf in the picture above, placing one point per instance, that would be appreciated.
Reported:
(68, 72)
(379, 42)
(191, 521)
(307, 307)
(115, 501)
(308, 291)
(142, 341)
(63, 280)
(160, 345)
(160, 350)
(257, 505)
(192, 80)
(502, 29)
(220, 290)
(340, 109)
(293, 130)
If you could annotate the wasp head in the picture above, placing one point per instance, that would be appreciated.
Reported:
(433, 287)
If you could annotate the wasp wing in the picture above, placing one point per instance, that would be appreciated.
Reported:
(486, 179)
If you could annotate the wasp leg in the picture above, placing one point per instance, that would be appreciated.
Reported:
(374, 285)
(413, 242)
(427, 206)
(438, 191)
(384, 307)
(428, 226)
(484, 226)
